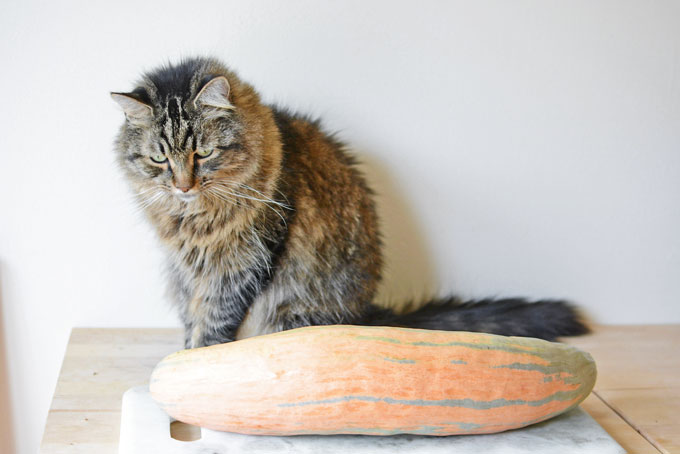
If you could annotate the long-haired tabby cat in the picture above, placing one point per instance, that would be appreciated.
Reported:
(267, 223)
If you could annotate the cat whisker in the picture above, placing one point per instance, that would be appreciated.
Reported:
(266, 202)
(210, 192)
(147, 190)
(145, 201)
(268, 199)
(213, 188)
(232, 184)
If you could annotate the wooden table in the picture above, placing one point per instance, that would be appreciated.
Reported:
(636, 399)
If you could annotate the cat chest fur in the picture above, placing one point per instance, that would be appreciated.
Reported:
(221, 270)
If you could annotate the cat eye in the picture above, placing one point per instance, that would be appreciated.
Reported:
(158, 158)
(204, 153)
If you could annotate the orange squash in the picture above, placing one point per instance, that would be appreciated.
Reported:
(372, 380)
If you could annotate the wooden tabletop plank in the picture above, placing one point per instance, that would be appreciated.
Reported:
(99, 366)
(638, 356)
(653, 412)
(81, 432)
(624, 434)
(639, 378)
(667, 436)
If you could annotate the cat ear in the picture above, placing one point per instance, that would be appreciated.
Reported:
(214, 94)
(137, 112)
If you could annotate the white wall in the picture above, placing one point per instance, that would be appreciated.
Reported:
(523, 147)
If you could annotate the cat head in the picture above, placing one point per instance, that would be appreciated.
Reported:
(193, 132)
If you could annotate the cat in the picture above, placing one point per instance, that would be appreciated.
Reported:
(267, 223)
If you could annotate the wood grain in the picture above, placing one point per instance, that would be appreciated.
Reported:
(639, 378)
(86, 432)
(99, 365)
(644, 356)
(653, 412)
(624, 434)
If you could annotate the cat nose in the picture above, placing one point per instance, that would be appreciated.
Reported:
(184, 186)
(183, 181)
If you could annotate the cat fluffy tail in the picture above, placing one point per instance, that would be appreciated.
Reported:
(545, 319)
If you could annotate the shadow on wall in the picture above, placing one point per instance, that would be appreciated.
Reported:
(6, 428)
(408, 272)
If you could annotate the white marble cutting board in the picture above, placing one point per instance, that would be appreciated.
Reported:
(145, 428)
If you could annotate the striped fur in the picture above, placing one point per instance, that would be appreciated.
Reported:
(265, 219)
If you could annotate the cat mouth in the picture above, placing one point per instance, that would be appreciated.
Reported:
(187, 197)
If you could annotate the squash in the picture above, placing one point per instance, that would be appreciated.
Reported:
(373, 381)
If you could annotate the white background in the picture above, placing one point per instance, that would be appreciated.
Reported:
(519, 148)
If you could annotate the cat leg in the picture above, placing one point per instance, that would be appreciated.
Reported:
(217, 316)
(188, 330)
